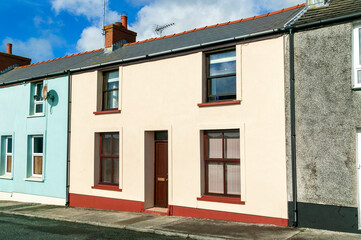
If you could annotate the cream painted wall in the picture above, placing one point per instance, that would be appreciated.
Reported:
(163, 95)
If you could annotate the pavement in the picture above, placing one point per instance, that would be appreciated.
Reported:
(181, 227)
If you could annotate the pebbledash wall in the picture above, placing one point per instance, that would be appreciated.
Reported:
(328, 115)
(18, 122)
(163, 95)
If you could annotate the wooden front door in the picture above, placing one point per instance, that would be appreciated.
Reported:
(161, 173)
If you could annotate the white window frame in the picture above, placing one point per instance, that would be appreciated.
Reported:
(7, 154)
(39, 102)
(356, 55)
(36, 155)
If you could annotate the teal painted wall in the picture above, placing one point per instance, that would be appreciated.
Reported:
(15, 110)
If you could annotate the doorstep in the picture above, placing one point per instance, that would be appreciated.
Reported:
(157, 210)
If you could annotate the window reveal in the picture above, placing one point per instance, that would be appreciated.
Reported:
(110, 90)
(222, 162)
(38, 99)
(109, 158)
(8, 155)
(37, 156)
(221, 76)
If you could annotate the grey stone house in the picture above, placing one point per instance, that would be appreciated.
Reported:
(324, 116)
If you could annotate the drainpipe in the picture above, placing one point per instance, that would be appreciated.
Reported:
(293, 129)
(68, 142)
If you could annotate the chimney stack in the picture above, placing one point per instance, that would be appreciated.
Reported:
(8, 60)
(119, 32)
(9, 48)
(124, 20)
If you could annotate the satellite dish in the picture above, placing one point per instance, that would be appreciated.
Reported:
(44, 93)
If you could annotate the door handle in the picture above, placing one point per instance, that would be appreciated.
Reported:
(161, 179)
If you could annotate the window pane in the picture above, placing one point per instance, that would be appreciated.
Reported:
(38, 145)
(214, 145)
(231, 145)
(8, 164)
(10, 145)
(106, 170)
(38, 165)
(116, 171)
(233, 178)
(359, 41)
(215, 178)
(38, 108)
(222, 63)
(38, 91)
(359, 76)
(223, 86)
(111, 100)
(161, 135)
(115, 144)
(106, 144)
(111, 80)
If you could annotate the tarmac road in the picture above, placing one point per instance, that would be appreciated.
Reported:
(15, 227)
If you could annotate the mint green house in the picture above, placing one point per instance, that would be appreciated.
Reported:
(34, 105)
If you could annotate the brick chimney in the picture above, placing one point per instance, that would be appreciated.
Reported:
(8, 60)
(9, 48)
(117, 32)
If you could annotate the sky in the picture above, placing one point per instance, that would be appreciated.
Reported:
(47, 29)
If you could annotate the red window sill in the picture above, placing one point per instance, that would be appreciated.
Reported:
(221, 199)
(219, 103)
(107, 187)
(106, 112)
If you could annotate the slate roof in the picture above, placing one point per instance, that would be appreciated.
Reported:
(176, 42)
(336, 8)
(59, 65)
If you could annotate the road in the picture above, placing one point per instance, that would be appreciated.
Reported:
(21, 227)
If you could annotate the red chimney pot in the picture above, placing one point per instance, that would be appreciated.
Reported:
(124, 20)
(9, 48)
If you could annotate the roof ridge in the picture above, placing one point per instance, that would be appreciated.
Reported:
(55, 59)
(219, 24)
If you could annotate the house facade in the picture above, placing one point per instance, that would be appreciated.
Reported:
(327, 117)
(34, 131)
(33, 140)
(174, 125)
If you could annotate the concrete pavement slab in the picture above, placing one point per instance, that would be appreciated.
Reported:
(229, 230)
(311, 234)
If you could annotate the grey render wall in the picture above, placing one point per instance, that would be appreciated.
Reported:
(328, 112)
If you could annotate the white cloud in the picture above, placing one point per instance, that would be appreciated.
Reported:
(38, 49)
(91, 38)
(91, 9)
(186, 14)
(197, 13)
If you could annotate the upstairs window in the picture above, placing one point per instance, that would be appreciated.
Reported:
(109, 158)
(8, 154)
(221, 76)
(38, 99)
(110, 90)
(357, 56)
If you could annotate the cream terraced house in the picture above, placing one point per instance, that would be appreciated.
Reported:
(191, 124)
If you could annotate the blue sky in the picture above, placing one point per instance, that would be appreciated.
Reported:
(46, 29)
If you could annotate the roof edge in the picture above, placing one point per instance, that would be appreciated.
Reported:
(55, 59)
(220, 24)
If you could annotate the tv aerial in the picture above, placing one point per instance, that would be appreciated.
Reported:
(158, 29)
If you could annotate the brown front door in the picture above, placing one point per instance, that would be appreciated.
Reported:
(161, 173)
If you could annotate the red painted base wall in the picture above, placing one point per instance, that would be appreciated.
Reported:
(228, 216)
(85, 201)
(77, 200)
